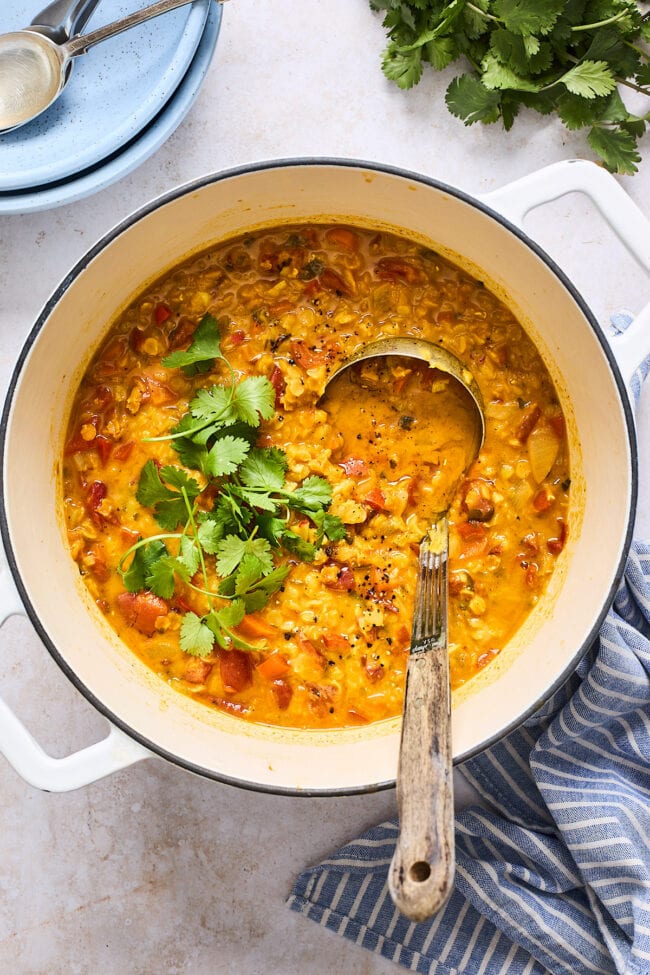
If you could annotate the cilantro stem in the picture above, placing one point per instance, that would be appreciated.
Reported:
(631, 84)
(190, 511)
(141, 543)
(600, 23)
(483, 13)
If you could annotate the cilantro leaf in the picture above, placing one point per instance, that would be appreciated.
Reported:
(196, 638)
(254, 398)
(232, 550)
(314, 493)
(203, 350)
(264, 468)
(210, 532)
(471, 101)
(589, 79)
(161, 578)
(212, 407)
(188, 556)
(402, 67)
(617, 149)
(225, 456)
(497, 75)
(524, 17)
(169, 507)
(144, 558)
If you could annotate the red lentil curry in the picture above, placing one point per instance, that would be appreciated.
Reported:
(256, 546)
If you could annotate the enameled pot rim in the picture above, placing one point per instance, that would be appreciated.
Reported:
(192, 187)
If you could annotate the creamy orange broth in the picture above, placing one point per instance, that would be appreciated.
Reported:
(293, 303)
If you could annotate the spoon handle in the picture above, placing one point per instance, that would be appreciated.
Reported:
(422, 869)
(63, 18)
(79, 45)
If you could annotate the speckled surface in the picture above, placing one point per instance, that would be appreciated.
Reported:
(153, 871)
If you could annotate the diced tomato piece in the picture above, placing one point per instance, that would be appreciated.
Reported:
(558, 423)
(281, 307)
(236, 670)
(474, 537)
(376, 500)
(196, 671)
(528, 422)
(305, 357)
(253, 627)
(141, 610)
(308, 647)
(99, 570)
(344, 239)
(555, 545)
(397, 269)
(403, 637)
(283, 693)
(96, 494)
(161, 313)
(238, 337)
(354, 466)
(273, 667)
(543, 500)
(103, 446)
(123, 451)
(332, 281)
(344, 581)
(181, 336)
(532, 574)
(279, 384)
(336, 642)
(374, 671)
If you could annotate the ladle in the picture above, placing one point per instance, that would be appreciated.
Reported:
(34, 68)
(422, 869)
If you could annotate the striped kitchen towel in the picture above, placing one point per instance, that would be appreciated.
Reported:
(553, 872)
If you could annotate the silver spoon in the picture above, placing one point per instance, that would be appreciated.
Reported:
(422, 869)
(33, 68)
(63, 18)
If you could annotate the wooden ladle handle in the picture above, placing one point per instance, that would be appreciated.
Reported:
(422, 869)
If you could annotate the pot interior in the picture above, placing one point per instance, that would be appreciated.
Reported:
(73, 323)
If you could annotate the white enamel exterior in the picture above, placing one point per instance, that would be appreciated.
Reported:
(167, 723)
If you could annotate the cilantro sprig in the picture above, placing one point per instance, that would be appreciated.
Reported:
(222, 534)
(564, 56)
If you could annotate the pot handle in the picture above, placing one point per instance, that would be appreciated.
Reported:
(516, 199)
(25, 755)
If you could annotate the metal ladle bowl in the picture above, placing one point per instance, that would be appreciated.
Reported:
(422, 869)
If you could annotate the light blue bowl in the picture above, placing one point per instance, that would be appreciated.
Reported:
(114, 92)
(131, 156)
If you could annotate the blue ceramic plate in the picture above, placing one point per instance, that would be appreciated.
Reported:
(114, 91)
(123, 162)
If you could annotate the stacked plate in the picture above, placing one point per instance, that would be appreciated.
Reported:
(123, 99)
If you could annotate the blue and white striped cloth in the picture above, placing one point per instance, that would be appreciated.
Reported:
(553, 873)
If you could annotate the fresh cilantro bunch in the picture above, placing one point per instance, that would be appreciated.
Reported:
(249, 519)
(562, 56)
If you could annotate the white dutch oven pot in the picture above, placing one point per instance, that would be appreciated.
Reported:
(148, 718)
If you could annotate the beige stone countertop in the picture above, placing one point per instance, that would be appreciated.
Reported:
(155, 871)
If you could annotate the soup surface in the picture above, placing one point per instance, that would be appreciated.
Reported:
(254, 541)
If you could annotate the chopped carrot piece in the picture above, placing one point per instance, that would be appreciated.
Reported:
(273, 667)
(255, 628)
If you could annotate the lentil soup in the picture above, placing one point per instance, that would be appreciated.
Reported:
(256, 546)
